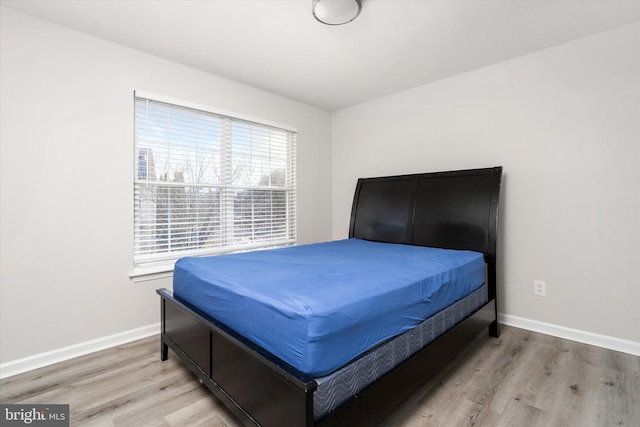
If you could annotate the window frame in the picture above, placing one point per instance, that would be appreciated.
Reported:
(152, 266)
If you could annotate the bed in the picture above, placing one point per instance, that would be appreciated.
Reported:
(429, 243)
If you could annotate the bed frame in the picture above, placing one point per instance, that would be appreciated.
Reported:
(455, 210)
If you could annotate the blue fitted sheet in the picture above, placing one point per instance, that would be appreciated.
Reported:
(319, 306)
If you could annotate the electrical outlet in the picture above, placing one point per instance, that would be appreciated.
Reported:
(540, 288)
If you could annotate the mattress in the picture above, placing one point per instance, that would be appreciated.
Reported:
(319, 306)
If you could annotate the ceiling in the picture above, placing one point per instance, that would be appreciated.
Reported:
(277, 45)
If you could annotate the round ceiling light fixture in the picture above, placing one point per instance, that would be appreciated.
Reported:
(336, 12)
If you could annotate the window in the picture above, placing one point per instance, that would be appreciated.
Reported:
(208, 183)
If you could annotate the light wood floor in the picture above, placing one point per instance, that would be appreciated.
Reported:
(521, 379)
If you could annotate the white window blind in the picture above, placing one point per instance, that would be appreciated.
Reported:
(207, 183)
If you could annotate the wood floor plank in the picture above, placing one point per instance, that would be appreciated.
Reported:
(520, 379)
(619, 390)
(201, 412)
(438, 409)
(517, 413)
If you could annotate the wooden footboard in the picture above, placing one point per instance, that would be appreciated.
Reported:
(260, 389)
(257, 387)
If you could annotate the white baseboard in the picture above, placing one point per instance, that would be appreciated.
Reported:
(49, 358)
(611, 343)
(19, 366)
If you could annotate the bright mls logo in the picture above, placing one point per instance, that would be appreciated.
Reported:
(34, 415)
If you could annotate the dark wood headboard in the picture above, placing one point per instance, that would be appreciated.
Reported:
(452, 210)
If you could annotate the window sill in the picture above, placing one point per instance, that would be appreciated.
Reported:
(139, 275)
(162, 269)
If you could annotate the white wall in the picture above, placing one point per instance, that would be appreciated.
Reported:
(565, 124)
(66, 179)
